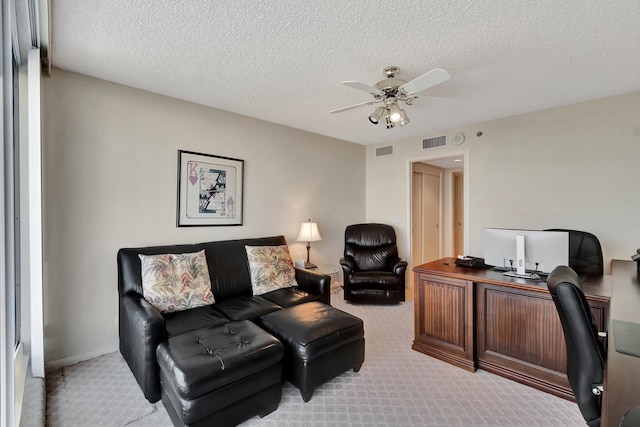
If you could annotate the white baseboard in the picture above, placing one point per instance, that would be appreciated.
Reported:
(72, 360)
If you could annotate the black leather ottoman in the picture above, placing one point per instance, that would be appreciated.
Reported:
(321, 342)
(220, 376)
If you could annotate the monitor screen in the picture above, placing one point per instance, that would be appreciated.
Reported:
(543, 250)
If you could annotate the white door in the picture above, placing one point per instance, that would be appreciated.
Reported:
(458, 213)
(430, 217)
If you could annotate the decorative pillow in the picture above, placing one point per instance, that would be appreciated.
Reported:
(271, 268)
(176, 282)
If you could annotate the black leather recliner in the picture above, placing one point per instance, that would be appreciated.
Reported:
(585, 352)
(585, 252)
(373, 272)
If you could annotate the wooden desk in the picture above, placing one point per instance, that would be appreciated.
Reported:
(622, 376)
(476, 318)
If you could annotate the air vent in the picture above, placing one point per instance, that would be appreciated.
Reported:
(384, 151)
(438, 141)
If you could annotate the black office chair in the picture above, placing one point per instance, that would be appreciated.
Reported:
(585, 252)
(631, 418)
(585, 352)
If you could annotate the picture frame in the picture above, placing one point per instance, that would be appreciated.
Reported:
(210, 190)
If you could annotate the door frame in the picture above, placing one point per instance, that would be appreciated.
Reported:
(426, 158)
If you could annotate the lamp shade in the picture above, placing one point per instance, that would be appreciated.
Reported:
(376, 115)
(309, 232)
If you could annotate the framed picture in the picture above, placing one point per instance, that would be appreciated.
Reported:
(209, 190)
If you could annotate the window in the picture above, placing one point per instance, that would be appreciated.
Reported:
(16, 201)
(10, 335)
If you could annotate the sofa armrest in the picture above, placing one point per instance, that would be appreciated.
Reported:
(141, 329)
(398, 266)
(348, 265)
(314, 283)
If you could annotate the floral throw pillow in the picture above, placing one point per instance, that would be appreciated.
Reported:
(176, 282)
(270, 268)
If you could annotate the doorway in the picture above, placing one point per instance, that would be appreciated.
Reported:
(425, 218)
(437, 210)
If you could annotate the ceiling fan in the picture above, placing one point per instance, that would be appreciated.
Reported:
(391, 90)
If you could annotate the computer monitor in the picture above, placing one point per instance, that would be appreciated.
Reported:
(525, 251)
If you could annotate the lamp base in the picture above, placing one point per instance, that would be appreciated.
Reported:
(308, 265)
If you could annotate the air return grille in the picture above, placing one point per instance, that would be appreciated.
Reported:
(384, 151)
(438, 141)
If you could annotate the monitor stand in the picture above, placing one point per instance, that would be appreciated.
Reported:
(530, 276)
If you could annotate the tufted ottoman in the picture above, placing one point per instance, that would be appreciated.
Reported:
(221, 375)
(321, 342)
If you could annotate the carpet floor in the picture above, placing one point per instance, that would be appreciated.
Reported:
(396, 386)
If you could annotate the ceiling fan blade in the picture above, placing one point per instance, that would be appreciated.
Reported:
(340, 110)
(363, 87)
(425, 81)
(436, 103)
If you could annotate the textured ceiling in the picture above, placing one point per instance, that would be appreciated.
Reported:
(283, 61)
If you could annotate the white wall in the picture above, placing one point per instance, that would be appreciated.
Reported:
(110, 168)
(576, 167)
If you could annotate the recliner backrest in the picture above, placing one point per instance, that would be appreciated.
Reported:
(585, 252)
(585, 352)
(372, 246)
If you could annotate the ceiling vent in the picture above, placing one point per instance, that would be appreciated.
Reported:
(438, 141)
(384, 151)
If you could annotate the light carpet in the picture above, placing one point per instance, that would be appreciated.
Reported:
(396, 386)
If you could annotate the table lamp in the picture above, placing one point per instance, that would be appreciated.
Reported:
(309, 233)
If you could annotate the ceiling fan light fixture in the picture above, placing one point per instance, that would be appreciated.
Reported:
(376, 115)
(404, 119)
(394, 112)
(392, 90)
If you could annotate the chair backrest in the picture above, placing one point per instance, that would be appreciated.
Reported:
(585, 353)
(585, 252)
(372, 246)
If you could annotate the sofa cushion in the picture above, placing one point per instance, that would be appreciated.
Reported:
(270, 268)
(246, 308)
(179, 322)
(313, 329)
(287, 297)
(176, 282)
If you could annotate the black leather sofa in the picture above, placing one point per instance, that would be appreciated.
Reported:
(142, 328)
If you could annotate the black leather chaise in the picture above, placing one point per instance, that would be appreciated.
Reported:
(151, 340)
